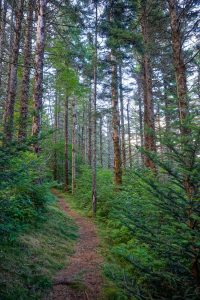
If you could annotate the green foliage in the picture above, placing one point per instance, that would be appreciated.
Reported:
(29, 263)
(83, 192)
(151, 226)
(24, 190)
(154, 225)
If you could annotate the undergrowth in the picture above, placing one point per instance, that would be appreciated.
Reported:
(29, 262)
(148, 246)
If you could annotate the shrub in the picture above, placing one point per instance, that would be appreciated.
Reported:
(24, 190)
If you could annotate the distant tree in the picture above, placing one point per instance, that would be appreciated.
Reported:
(12, 77)
(38, 79)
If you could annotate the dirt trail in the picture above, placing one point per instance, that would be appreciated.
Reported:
(81, 279)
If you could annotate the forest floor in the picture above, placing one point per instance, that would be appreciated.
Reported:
(30, 261)
(81, 279)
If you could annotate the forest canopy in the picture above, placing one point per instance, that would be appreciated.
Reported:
(101, 99)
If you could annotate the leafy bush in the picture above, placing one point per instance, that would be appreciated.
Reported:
(154, 259)
(24, 190)
(158, 258)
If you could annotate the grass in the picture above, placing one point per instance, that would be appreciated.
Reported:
(28, 264)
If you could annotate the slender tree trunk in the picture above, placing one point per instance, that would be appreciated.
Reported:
(166, 101)
(140, 114)
(12, 81)
(159, 131)
(180, 70)
(115, 123)
(83, 135)
(86, 143)
(55, 171)
(101, 140)
(38, 80)
(129, 136)
(94, 158)
(11, 39)
(23, 117)
(123, 145)
(90, 132)
(73, 145)
(2, 50)
(108, 142)
(66, 144)
(149, 127)
(79, 135)
(2, 38)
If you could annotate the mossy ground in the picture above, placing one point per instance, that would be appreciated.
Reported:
(28, 264)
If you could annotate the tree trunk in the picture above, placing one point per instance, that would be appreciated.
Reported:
(149, 127)
(180, 70)
(73, 145)
(83, 135)
(140, 114)
(38, 80)
(2, 38)
(12, 80)
(123, 145)
(159, 131)
(166, 101)
(23, 117)
(181, 86)
(90, 132)
(66, 145)
(2, 50)
(109, 128)
(129, 137)
(86, 143)
(115, 123)
(101, 140)
(94, 148)
(55, 169)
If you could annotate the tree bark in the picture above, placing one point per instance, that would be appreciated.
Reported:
(83, 135)
(90, 132)
(101, 140)
(55, 169)
(140, 115)
(129, 136)
(166, 101)
(73, 145)
(94, 148)
(123, 145)
(180, 70)
(38, 80)
(2, 38)
(159, 131)
(2, 50)
(115, 123)
(66, 144)
(12, 80)
(23, 115)
(149, 127)
(109, 128)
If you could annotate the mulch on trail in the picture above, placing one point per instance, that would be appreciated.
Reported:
(81, 279)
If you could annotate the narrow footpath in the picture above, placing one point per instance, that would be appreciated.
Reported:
(81, 279)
